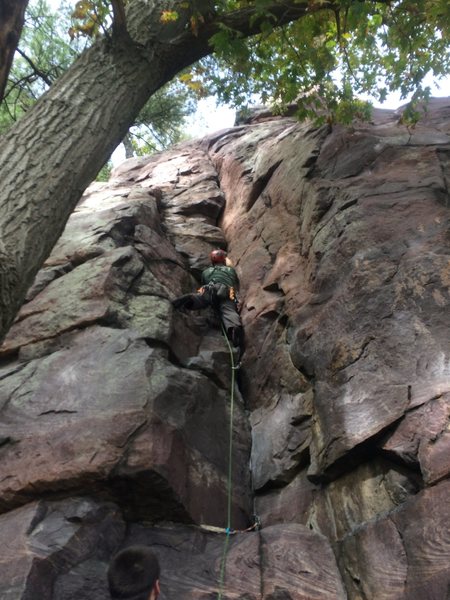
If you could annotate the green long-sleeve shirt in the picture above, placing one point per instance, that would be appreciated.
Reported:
(221, 274)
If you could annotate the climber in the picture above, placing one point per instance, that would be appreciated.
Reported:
(219, 290)
(133, 573)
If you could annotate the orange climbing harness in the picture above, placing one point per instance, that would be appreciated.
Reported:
(227, 292)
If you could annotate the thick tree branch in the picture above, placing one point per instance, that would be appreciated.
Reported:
(12, 17)
(248, 20)
(120, 21)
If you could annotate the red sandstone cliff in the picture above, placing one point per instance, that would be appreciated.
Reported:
(114, 409)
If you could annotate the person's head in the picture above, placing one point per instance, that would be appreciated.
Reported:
(133, 574)
(218, 257)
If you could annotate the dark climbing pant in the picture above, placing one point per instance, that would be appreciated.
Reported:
(226, 309)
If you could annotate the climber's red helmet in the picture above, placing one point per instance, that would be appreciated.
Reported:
(218, 257)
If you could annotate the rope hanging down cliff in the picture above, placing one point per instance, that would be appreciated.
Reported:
(256, 521)
(230, 466)
(219, 285)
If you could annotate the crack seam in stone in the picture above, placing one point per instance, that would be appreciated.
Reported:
(13, 392)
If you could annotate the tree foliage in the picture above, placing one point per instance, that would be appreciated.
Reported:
(50, 43)
(160, 123)
(326, 61)
(336, 53)
(44, 54)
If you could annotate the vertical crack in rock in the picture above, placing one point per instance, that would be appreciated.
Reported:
(444, 159)
(260, 184)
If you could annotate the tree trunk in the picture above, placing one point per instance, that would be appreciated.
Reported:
(129, 150)
(12, 17)
(52, 154)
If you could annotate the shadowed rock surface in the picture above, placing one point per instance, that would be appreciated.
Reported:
(115, 409)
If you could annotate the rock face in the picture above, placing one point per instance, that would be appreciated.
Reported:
(115, 409)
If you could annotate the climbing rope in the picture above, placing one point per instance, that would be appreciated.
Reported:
(228, 530)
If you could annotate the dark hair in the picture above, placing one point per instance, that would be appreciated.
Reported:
(132, 573)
